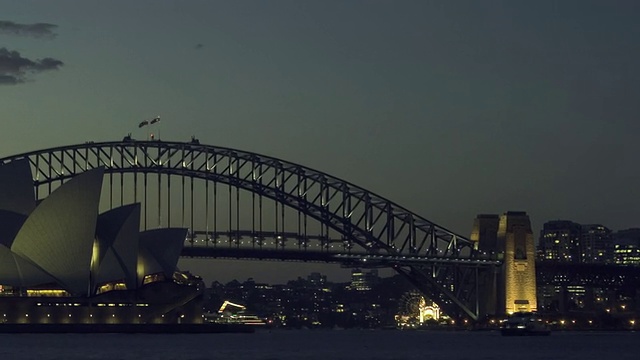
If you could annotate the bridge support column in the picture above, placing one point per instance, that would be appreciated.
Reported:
(512, 286)
(485, 235)
(515, 242)
(488, 291)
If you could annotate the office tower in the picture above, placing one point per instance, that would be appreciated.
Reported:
(560, 241)
(595, 244)
(626, 248)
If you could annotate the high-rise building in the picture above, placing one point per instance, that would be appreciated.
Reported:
(626, 247)
(560, 241)
(595, 244)
(364, 281)
(515, 240)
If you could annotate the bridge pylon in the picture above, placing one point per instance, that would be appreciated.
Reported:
(512, 287)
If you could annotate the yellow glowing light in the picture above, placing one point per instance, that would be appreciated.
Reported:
(46, 292)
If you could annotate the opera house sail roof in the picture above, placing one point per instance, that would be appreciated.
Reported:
(58, 235)
(63, 241)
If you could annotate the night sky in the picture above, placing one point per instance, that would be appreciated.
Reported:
(448, 108)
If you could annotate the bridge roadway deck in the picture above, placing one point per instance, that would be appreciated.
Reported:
(598, 275)
(353, 258)
(551, 273)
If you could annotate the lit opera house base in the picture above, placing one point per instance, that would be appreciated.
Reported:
(126, 328)
(159, 307)
(157, 302)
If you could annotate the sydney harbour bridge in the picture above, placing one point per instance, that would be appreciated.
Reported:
(243, 205)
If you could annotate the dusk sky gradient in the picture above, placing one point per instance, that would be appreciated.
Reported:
(448, 108)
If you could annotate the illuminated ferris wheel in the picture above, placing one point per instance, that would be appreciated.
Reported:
(414, 309)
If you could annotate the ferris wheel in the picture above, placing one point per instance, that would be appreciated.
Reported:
(416, 308)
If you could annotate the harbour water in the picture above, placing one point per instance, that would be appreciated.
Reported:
(323, 344)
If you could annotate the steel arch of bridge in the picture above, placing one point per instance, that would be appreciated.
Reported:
(371, 223)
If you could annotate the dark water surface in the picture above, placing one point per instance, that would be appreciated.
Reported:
(324, 344)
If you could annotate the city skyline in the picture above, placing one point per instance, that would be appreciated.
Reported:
(450, 110)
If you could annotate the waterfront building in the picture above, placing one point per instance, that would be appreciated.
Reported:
(626, 248)
(595, 244)
(560, 241)
(63, 262)
(363, 281)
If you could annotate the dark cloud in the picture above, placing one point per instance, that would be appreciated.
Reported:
(14, 68)
(8, 80)
(199, 46)
(39, 30)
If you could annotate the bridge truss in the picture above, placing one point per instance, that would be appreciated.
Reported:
(245, 205)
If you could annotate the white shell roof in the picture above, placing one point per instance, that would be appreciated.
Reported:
(117, 236)
(165, 246)
(16, 271)
(63, 240)
(59, 233)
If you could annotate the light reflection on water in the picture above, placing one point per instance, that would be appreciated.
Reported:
(323, 344)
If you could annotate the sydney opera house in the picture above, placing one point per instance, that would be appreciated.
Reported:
(61, 261)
